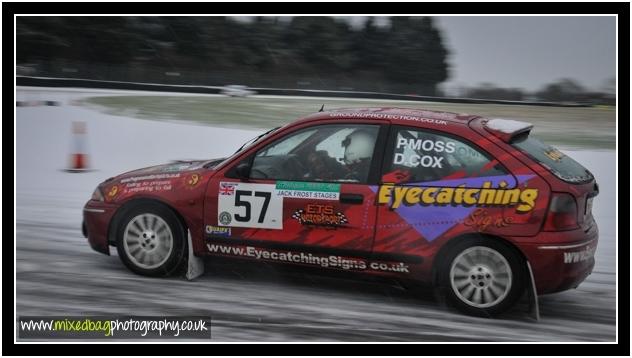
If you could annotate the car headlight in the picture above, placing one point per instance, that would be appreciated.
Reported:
(97, 195)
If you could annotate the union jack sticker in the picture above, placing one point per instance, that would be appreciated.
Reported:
(227, 188)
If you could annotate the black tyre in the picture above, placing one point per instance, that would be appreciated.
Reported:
(150, 240)
(482, 276)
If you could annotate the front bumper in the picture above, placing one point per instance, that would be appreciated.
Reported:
(559, 267)
(95, 226)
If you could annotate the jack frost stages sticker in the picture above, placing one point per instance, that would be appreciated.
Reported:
(249, 205)
(307, 190)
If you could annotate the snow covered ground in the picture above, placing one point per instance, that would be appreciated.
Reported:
(57, 272)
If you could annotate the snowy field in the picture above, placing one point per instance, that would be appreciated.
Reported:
(58, 274)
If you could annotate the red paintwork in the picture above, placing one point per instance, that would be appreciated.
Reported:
(372, 228)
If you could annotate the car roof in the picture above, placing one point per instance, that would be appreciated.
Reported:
(401, 116)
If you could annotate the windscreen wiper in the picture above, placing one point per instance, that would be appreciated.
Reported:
(255, 139)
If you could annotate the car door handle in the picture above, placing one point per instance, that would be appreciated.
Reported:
(356, 199)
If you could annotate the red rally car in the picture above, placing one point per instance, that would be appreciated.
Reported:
(478, 207)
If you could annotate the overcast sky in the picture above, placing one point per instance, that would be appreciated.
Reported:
(527, 52)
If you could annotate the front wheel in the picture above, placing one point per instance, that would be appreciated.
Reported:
(151, 240)
(483, 277)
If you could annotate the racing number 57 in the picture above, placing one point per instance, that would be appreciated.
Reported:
(246, 204)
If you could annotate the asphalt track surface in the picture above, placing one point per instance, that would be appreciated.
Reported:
(57, 273)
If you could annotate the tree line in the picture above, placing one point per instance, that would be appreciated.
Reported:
(406, 56)
(561, 90)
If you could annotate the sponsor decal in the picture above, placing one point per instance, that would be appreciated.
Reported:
(217, 230)
(387, 116)
(113, 192)
(481, 220)
(308, 190)
(150, 177)
(554, 154)
(579, 256)
(433, 212)
(250, 205)
(176, 168)
(148, 186)
(192, 180)
(383, 266)
(522, 199)
(224, 218)
(324, 215)
(331, 261)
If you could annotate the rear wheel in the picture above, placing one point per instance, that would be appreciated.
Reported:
(151, 240)
(482, 277)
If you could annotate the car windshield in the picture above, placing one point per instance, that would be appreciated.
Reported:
(561, 165)
(247, 144)
(255, 140)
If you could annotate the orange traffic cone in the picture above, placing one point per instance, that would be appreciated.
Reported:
(78, 157)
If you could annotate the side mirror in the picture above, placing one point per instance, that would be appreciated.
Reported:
(243, 171)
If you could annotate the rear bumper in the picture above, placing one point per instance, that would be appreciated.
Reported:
(559, 267)
(96, 221)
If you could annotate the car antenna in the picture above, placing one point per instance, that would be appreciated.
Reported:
(322, 108)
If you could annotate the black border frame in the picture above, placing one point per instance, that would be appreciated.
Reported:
(620, 8)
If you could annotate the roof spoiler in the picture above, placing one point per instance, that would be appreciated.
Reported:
(507, 129)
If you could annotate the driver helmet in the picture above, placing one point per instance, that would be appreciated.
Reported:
(358, 145)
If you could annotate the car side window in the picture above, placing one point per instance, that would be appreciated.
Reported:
(332, 153)
(421, 156)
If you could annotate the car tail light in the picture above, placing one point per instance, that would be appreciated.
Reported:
(562, 213)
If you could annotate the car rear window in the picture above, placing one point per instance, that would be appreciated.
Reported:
(558, 163)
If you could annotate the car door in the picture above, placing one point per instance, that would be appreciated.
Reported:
(437, 185)
(313, 189)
